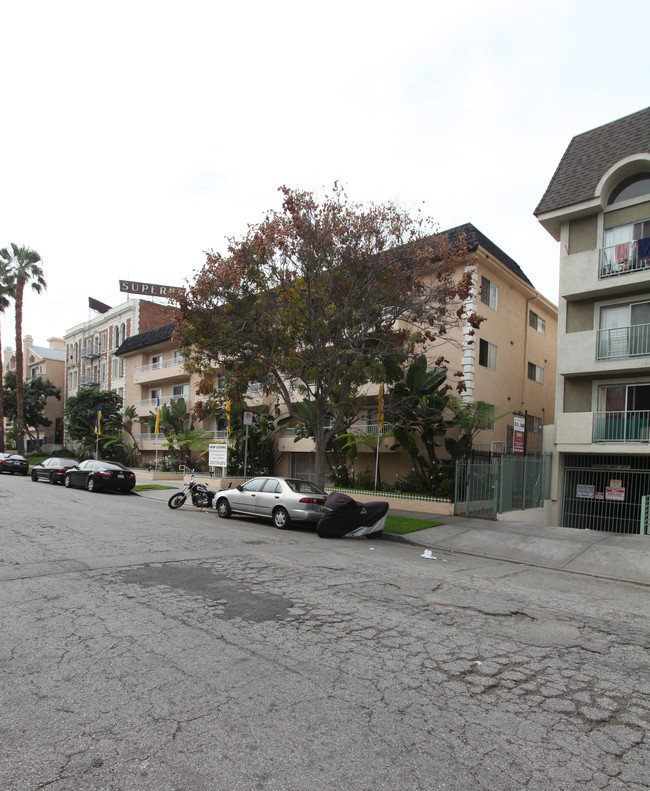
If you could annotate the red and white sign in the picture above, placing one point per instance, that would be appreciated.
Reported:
(615, 493)
(519, 434)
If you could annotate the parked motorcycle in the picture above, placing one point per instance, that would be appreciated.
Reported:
(202, 497)
(344, 517)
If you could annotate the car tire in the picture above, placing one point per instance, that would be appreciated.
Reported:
(223, 508)
(66, 482)
(91, 484)
(281, 518)
(34, 477)
(176, 500)
(52, 479)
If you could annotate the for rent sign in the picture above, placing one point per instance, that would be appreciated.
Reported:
(149, 289)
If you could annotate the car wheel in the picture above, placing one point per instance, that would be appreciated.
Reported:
(91, 485)
(281, 518)
(223, 508)
(66, 482)
(52, 479)
(34, 476)
(176, 500)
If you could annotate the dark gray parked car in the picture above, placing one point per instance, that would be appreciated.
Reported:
(53, 470)
(96, 476)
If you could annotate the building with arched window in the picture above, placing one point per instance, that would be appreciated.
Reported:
(597, 206)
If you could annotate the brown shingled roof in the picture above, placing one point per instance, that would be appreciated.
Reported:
(590, 155)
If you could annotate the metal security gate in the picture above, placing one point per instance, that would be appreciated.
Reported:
(476, 488)
(524, 482)
(485, 487)
(607, 498)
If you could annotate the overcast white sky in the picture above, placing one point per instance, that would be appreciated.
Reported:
(137, 134)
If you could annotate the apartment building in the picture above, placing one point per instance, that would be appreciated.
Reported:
(509, 362)
(90, 346)
(46, 362)
(153, 373)
(597, 205)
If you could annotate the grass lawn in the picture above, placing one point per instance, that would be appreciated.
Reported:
(406, 524)
(143, 487)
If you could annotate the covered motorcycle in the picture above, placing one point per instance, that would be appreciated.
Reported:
(344, 517)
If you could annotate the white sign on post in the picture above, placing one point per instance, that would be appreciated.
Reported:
(248, 418)
(218, 454)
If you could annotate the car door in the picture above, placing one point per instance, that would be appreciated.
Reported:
(268, 497)
(79, 477)
(42, 471)
(243, 499)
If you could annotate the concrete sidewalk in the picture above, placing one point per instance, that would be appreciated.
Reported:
(608, 555)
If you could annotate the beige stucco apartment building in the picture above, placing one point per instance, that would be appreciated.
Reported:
(46, 362)
(597, 206)
(509, 363)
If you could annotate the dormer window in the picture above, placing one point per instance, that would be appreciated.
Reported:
(630, 188)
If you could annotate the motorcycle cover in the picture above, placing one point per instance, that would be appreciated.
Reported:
(344, 517)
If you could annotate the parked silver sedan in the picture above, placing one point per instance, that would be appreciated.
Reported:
(284, 500)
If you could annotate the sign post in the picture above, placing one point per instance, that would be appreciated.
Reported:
(248, 421)
(218, 456)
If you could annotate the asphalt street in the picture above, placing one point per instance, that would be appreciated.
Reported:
(149, 649)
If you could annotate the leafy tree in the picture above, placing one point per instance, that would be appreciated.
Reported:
(261, 441)
(417, 408)
(35, 395)
(318, 300)
(80, 411)
(471, 418)
(21, 266)
(6, 291)
(122, 441)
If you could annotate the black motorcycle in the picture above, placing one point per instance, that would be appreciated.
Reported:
(202, 497)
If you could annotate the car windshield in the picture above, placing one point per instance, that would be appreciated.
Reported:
(303, 487)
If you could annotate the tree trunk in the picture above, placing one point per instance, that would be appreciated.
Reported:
(320, 445)
(20, 372)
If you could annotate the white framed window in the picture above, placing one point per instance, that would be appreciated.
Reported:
(181, 391)
(537, 322)
(487, 354)
(536, 373)
(156, 360)
(489, 293)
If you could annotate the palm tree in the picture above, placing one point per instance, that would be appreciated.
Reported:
(22, 266)
(6, 291)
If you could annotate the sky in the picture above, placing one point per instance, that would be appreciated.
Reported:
(137, 135)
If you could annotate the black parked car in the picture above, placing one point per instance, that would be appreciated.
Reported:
(53, 470)
(14, 463)
(99, 475)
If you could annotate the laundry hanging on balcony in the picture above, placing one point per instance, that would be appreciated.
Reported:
(643, 248)
(621, 252)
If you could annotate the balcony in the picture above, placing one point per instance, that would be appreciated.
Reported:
(631, 426)
(89, 380)
(623, 342)
(164, 370)
(89, 352)
(621, 259)
(152, 402)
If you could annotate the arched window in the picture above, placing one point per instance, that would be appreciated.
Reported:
(123, 333)
(632, 187)
(117, 336)
(76, 352)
